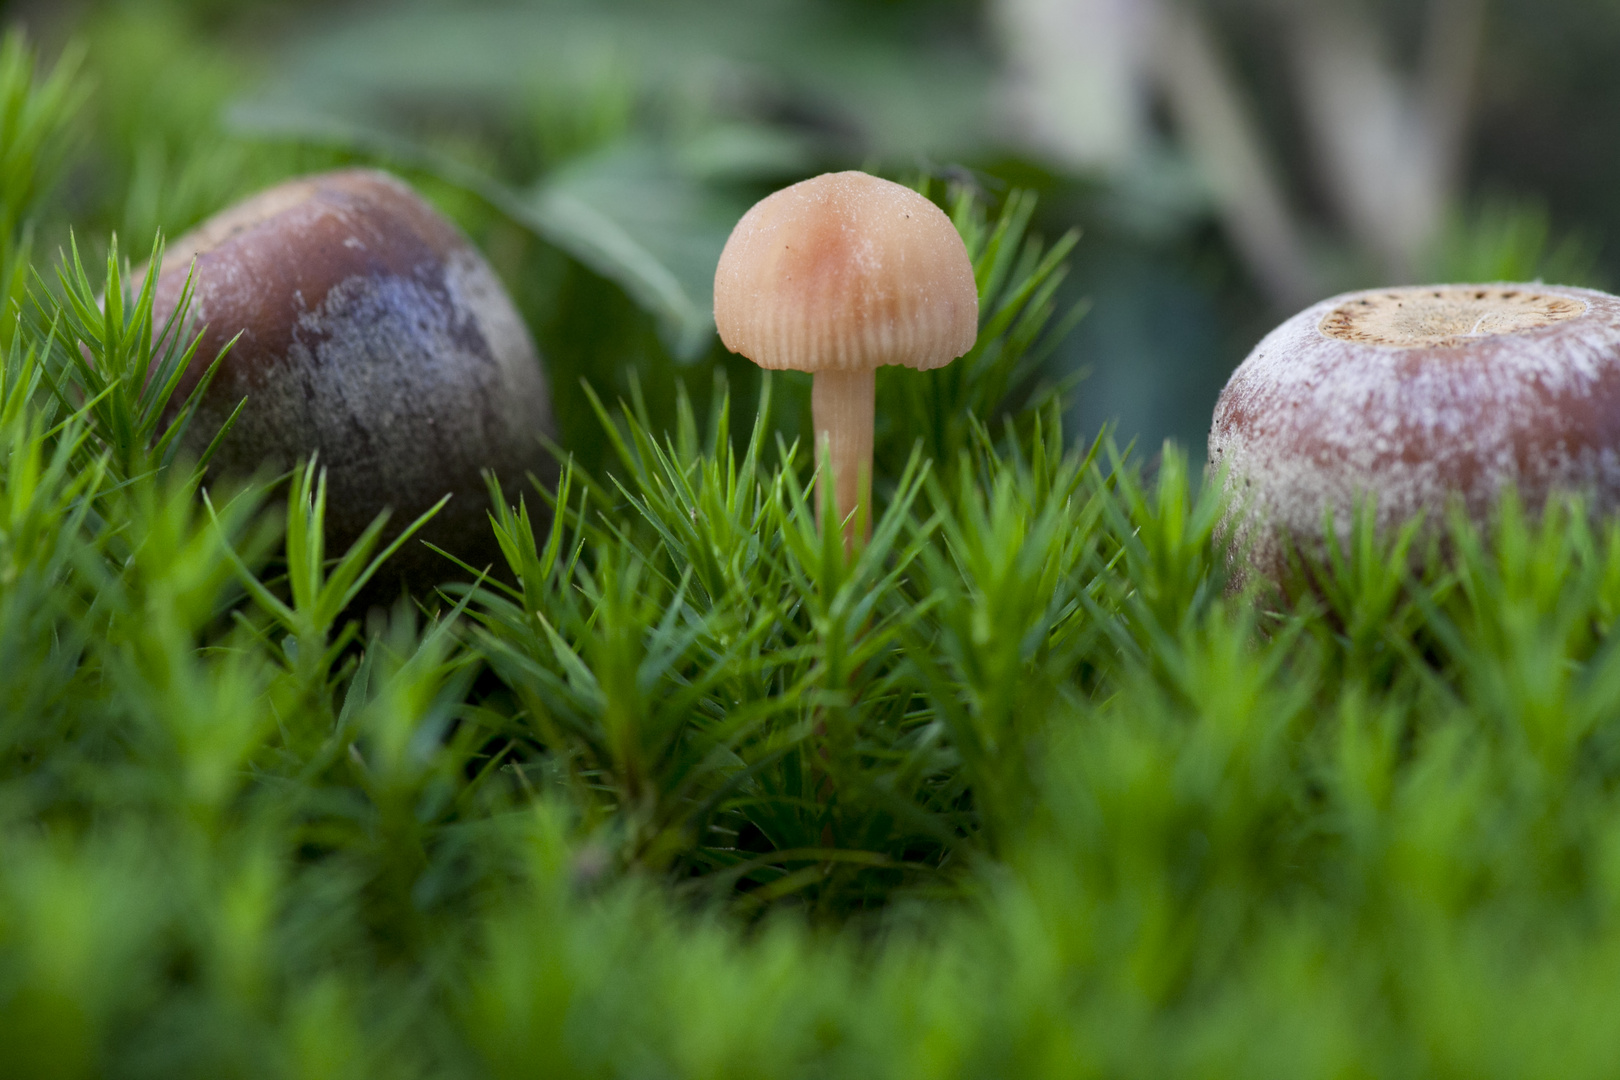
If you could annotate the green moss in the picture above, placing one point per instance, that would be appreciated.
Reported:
(1021, 788)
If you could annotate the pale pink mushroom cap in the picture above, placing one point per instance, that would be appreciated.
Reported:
(845, 272)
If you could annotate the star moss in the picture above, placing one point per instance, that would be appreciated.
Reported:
(1021, 787)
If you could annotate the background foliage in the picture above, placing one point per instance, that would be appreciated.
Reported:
(536, 122)
(1020, 788)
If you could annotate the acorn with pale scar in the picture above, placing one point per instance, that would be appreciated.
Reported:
(1417, 399)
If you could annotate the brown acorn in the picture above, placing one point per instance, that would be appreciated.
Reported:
(1418, 399)
(374, 335)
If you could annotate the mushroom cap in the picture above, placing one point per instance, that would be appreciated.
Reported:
(373, 333)
(1416, 397)
(846, 272)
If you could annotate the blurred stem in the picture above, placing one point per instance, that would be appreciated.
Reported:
(1454, 40)
(843, 404)
(1390, 146)
(1225, 140)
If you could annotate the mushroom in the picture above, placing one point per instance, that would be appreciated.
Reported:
(375, 335)
(1413, 398)
(839, 275)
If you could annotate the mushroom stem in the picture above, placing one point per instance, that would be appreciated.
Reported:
(841, 404)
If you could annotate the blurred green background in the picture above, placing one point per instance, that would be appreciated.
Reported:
(1227, 161)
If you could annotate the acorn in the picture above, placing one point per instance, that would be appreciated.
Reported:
(1418, 399)
(374, 335)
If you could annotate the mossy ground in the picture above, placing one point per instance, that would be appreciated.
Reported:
(1020, 788)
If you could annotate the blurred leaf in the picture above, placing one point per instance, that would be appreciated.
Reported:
(632, 215)
(743, 152)
(629, 213)
(896, 88)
